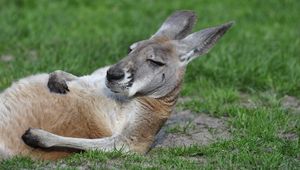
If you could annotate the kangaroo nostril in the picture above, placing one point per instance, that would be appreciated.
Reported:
(115, 74)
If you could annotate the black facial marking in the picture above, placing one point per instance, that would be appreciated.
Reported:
(163, 77)
(131, 77)
(129, 50)
(155, 63)
(197, 50)
(188, 58)
(130, 82)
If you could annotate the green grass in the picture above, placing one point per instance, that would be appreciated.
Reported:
(259, 57)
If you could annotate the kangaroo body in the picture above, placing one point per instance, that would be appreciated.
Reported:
(118, 107)
(90, 110)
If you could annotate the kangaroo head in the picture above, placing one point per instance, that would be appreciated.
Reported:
(154, 67)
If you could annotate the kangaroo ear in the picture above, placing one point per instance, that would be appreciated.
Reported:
(201, 42)
(177, 26)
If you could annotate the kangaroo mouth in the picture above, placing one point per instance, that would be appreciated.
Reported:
(119, 87)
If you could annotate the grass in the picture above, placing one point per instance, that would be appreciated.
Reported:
(258, 58)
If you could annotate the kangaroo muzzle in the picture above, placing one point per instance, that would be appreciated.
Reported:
(115, 74)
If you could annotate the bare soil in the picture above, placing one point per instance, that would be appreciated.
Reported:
(185, 128)
(291, 103)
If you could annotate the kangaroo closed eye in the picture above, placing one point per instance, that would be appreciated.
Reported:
(156, 63)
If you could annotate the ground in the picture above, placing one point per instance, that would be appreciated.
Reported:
(239, 107)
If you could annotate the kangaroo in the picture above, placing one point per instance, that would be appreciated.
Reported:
(122, 106)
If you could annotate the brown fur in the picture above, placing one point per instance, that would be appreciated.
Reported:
(66, 115)
(155, 112)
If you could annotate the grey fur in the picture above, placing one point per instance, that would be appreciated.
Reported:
(201, 42)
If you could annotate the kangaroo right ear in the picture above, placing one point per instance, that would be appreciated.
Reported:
(177, 25)
(201, 42)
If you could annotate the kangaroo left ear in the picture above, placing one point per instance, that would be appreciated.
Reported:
(201, 42)
(177, 26)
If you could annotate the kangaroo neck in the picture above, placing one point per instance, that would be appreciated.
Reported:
(152, 114)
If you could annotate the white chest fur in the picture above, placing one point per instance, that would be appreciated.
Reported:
(120, 111)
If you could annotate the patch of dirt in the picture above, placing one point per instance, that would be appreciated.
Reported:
(199, 159)
(33, 55)
(185, 128)
(7, 58)
(183, 100)
(246, 101)
(290, 136)
(291, 103)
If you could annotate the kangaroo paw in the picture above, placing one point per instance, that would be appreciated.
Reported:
(57, 85)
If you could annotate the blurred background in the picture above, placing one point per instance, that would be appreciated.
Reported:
(261, 52)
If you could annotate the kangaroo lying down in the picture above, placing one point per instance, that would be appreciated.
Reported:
(122, 106)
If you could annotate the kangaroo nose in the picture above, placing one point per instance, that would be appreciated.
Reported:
(114, 74)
